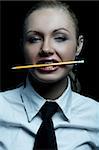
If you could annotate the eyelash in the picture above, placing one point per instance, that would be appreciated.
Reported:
(35, 39)
(60, 39)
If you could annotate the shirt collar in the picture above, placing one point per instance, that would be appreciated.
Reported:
(33, 101)
(64, 101)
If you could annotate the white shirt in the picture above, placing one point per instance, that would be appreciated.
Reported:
(76, 124)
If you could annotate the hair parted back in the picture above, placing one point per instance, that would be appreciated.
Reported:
(37, 5)
(54, 4)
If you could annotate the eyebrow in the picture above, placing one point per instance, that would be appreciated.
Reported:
(31, 31)
(61, 29)
(56, 30)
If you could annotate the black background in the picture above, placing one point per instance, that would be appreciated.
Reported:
(12, 16)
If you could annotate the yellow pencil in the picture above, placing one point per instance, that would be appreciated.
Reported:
(46, 65)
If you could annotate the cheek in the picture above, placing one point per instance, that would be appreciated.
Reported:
(67, 51)
(30, 53)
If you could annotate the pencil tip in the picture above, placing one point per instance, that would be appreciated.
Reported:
(82, 61)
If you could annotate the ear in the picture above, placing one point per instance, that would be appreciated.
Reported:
(79, 44)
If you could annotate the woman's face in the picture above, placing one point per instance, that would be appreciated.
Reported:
(50, 37)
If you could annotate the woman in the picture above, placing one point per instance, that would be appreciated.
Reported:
(51, 35)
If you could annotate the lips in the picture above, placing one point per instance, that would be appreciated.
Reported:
(47, 69)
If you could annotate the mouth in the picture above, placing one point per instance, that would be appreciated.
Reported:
(48, 69)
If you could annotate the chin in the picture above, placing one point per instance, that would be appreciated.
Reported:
(49, 78)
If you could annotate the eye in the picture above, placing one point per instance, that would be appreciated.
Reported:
(33, 39)
(60, 38)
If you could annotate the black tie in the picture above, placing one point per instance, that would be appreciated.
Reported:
(45, 138)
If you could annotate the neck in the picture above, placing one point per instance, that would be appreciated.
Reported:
(49, 91)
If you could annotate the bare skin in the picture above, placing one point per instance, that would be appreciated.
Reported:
(49, 41)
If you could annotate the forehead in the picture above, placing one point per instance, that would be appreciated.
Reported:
(49, 18)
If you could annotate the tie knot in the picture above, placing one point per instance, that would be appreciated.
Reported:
(48, 110)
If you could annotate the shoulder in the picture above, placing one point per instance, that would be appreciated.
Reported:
(84, 100)
(11, 106)
(85, 111)
(9, 101)
(10, 95)
(85, 107)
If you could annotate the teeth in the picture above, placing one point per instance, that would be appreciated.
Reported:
(48, 62)
(49, 67)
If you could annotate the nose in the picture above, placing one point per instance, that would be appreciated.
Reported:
(46, 48)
